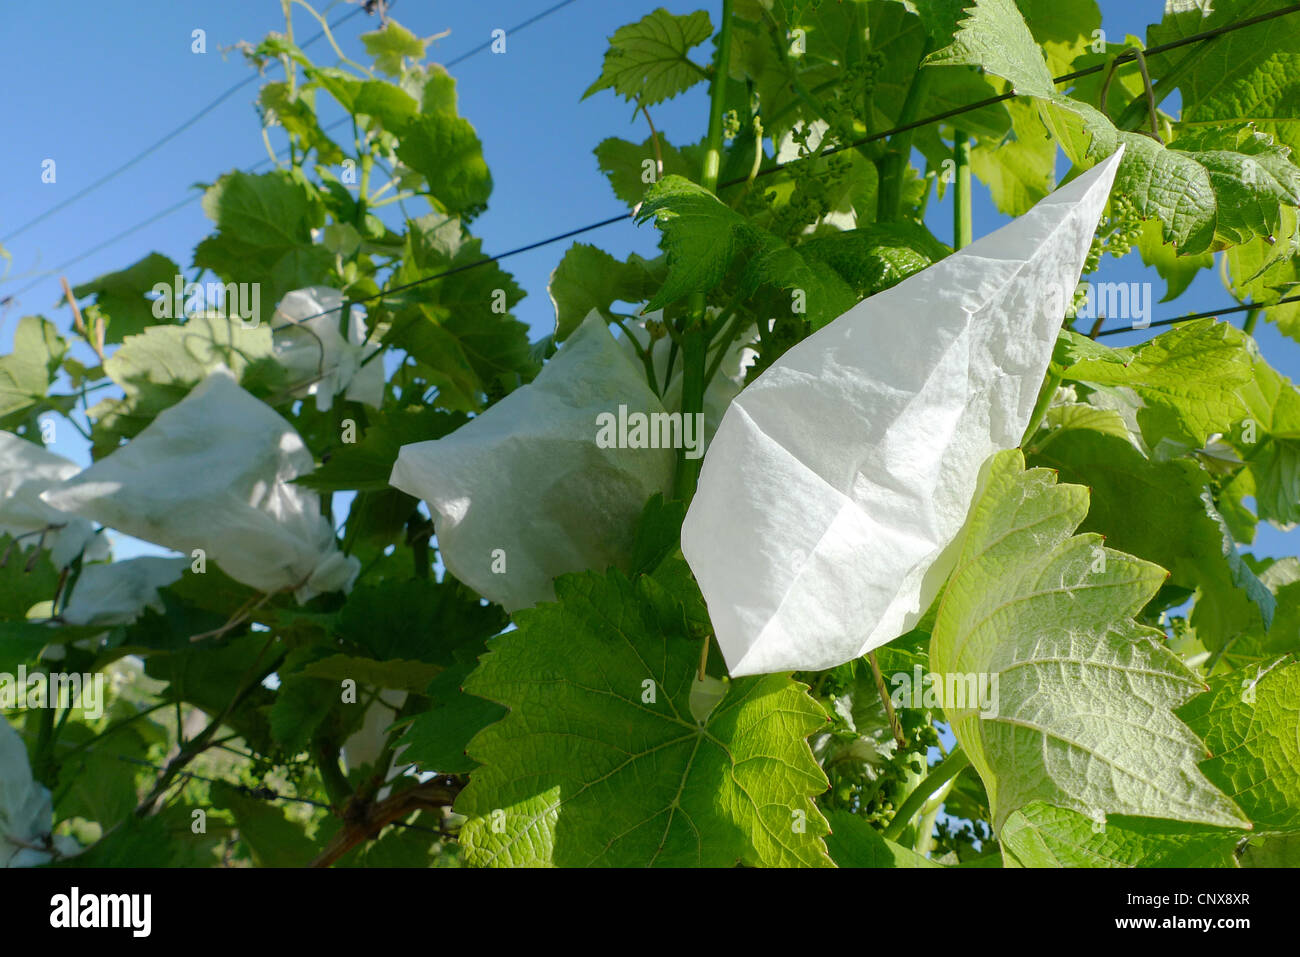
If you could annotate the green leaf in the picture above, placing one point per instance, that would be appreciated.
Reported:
(1265, 270)
(1020, 170)
(1084, 711)
(121, 295)
(446, 151)
(1040, 835)
(1250, 721)
(703, 238)
(27, 373)
(599, 762)
(994, 36)
(297, 114)
(367, 464)
(1274, 850)
(1064, 29)
(456, 325)
(873, 258)
(1190, 379)
(399, 673)
(390, 45)
(441, 623)
(1214, 188)
(588, 278)
(264, 225)
(1177, 271)
(272, 839)
(438, 738)
(1159, 511)
(301, 704)
(647, 62)
(1245, 75)
(855, 843)
(627, 164)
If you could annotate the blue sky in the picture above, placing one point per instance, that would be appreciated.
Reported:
(93, 87)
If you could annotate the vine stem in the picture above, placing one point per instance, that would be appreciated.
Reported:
(894, 724)
(890, 198)
(694, 343)
(962, 223)
(1252, 316)
(943, 772)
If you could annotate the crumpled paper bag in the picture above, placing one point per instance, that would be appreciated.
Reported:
(314, 353)
(522, 493)
(118, 593)
(215, 472)
(27, 470)
(835, 488)
(26, 810)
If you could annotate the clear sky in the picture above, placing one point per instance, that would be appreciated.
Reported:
(89, 84)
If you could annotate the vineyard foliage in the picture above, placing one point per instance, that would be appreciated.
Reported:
(322, 631)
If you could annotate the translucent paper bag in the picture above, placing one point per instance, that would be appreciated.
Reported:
(310, 346)
(26, 811)
(839, 479)
(525, 491)
(118, 593)
(27, 470)
(214, 472)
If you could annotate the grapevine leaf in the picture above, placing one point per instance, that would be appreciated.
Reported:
(367, 464)
(1250, 722)
(271, 838)
(1245, 75)
(390, 44)
(1020, 170)
(626, 165)
(441, 623)
(1177, 271)
(589, 278)
(1273, 850)
(1084, 716)
(599, 760)
(1154, 510)
(1190, 380)
(703, 237)
(121, 295)
(875, 257)
(855, 843)
(446, 151)
(437, 739)
(1040, 835)
(994, 36)
(264, 223)
(1210, 191)
(647, 62)
(28, 371)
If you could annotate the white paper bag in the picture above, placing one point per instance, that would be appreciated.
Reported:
(26, 811)
(309, 345)
(27, 470)
(523, 492)
(119, 592)
(841, 476)
(214, 472)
